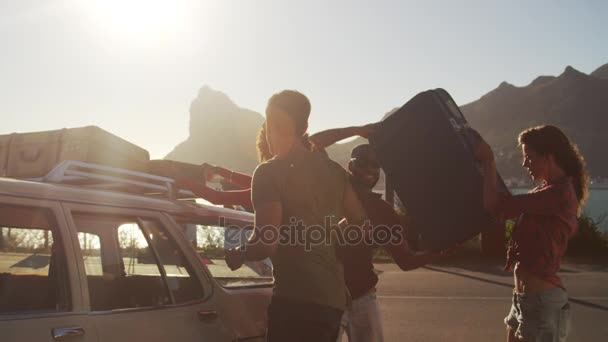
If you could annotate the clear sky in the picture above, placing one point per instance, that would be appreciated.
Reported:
(133, 66)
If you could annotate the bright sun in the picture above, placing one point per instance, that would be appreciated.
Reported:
(139, 18)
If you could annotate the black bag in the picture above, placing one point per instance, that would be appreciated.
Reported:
(426, 153)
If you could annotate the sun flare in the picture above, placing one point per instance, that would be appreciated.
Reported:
(139, 18)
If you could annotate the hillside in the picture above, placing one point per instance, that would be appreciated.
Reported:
(574, 101)
(223, 133)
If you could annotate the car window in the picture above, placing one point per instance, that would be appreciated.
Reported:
(132, 263)
(33, 269)
(182, 283)
(210, 242)
(136, 255)
(90, 245)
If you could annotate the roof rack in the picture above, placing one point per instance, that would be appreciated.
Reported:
(113, 178)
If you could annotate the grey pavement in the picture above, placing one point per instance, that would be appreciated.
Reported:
(441, 303)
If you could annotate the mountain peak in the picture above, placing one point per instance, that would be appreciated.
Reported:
(571, 72)
(601, 72)
(211, 108)
(573, 101)
(208, 95)
(505, 84)
(221, 133)
(542, 80)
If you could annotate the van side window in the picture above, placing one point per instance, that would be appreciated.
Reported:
(136, 254)
(90, 245)
(33, 268)
(210, 242)
(182, 282)
(133, 263)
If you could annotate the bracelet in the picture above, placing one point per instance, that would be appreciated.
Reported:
(242, 253)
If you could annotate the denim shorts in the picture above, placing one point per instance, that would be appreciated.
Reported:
(362, 321)
(541, 316)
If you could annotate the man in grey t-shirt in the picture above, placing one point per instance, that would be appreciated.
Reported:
(301, 188)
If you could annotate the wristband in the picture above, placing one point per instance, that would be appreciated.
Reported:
(242, 253)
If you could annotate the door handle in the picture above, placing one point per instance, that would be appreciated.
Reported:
(207, 316)
(60, 334)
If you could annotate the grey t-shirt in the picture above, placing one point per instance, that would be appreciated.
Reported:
(310, 188)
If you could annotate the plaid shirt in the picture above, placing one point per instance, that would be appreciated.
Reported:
(547, 219)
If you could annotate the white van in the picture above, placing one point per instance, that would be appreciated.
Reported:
(94, 253)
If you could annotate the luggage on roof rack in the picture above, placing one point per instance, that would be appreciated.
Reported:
(89, 175)
(30, 155)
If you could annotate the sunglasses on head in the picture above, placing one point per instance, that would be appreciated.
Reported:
(365, 164)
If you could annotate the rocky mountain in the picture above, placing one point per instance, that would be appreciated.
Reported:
(601, 72)
(221, 133)
(224, 134)
(573, 101)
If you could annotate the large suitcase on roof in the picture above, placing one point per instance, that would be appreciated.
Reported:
(31, 155)
(426, 152)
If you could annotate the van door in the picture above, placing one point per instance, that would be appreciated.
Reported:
(40, 298)
(140, 283)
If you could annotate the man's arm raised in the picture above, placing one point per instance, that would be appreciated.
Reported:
(329, 137)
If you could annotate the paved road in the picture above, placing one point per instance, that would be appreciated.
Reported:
(442, 303)
(469, 303)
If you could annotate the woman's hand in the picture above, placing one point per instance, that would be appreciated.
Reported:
(482, 150)
(209, 171)
(484, 155)
(234, 258)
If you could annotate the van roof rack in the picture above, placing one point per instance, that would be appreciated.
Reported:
(112, 178)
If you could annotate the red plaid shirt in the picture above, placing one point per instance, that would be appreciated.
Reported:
(547, 220)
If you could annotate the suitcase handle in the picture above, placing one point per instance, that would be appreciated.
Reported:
(30, 158)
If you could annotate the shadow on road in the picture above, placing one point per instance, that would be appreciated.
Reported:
(588, 304)
(510, 286)
(489, 281)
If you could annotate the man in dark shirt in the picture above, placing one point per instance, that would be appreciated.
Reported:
(362, 320)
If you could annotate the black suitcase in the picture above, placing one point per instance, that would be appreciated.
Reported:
(426, 152)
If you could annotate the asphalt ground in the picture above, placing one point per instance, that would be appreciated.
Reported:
(469, 302)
